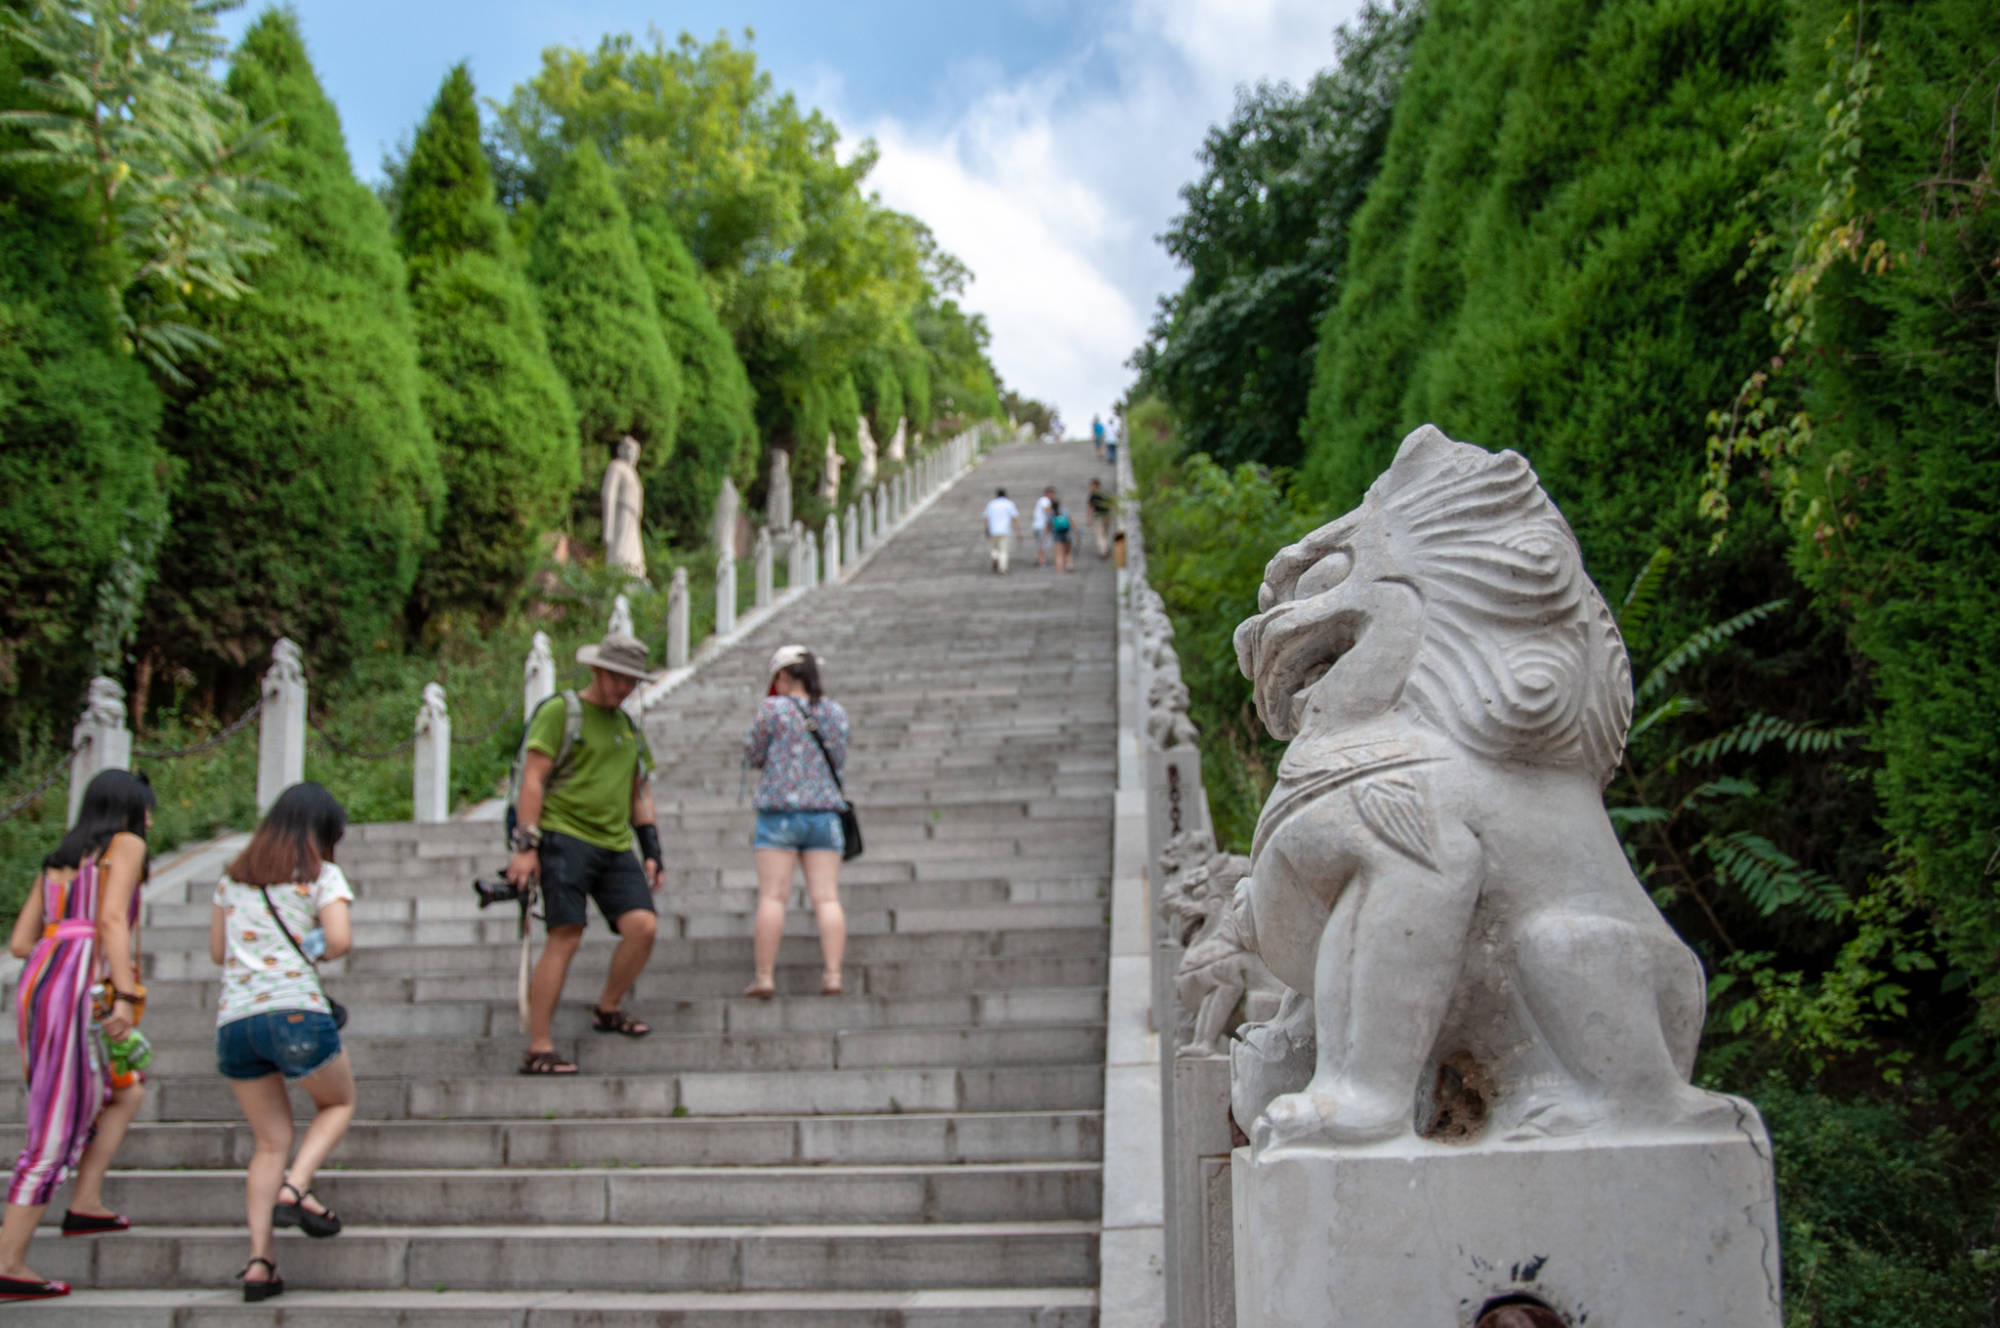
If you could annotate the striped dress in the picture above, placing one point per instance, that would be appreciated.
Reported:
(62, 1050)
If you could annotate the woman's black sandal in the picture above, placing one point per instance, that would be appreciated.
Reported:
(296, 1214)
(254, 1292)
(91, 1224)
(546, 1062)
(617, 1021)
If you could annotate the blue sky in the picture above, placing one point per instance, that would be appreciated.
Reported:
(1043, 141)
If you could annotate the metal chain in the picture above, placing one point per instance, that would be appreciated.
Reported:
(207, 745)
(343, 749)
(474, 739)
(33, 795)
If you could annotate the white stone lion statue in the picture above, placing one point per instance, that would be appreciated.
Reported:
(1434, 874)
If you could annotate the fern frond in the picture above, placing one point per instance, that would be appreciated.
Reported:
(1645, 590)
(1703, 641)
(1772, 879)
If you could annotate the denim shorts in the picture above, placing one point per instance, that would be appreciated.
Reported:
(799, 831)
(293, 1043)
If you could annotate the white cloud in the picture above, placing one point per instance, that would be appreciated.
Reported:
(1052, 188)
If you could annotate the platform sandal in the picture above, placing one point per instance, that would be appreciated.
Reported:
(296, 1214)
(257, 1292)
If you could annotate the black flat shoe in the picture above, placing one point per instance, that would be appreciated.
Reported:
(90, 1224)
(296, 1214)
(256, 1292)
(20, 1288)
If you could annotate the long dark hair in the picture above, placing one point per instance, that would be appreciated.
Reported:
(807, 672)
(114, 801)
(295, 840)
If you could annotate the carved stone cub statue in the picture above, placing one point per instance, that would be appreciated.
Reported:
(1434, 874)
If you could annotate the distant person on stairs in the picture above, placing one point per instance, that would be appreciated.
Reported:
(1060, 537)
(1100, 518)
(1039, 525)
(74, 929)
(280, 908)
(1002, 522)
(799, 743)
(575, 830)
(1097, 434)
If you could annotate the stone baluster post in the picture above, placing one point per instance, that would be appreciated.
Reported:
(850, 537)
(760, 594)
(809, 561)
(432, 765)
(795, 556)
(101, 739)
(829, 543)
(881, 510)
(281, 729)
(539, 676)
(725, 595)
(869, 533)
(621, 618)
(677, 620)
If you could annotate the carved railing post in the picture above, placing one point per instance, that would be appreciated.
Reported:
(760, 586)
(431, 766)
(850, 538)
(100, 739)
(881, 510)
(725, 595)
(677, 619)
(538, 682)
(809, 562)
(829, 543)
(795, 556)
(621, 617)
(281, 728)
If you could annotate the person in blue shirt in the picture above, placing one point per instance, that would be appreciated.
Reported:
(1097, 434)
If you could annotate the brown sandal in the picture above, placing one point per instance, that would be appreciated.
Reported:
(829, 984)
(546, 1062)
(617, 1021)
(761, 991)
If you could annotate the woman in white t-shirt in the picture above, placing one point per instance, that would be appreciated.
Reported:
(280, 908)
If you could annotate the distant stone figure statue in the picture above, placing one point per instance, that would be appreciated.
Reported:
(778, 504)
(1434, 874)
(624, 498)
(899, 440)
(722, 530)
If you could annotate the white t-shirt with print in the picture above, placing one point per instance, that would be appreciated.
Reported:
(1001, 514)
(1043, 506)
(260, 969)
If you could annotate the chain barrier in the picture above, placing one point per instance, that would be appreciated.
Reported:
(474, 739)
(358, 753)
(207, 744)
(34, 795)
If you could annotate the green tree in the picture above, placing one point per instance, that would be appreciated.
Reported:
(505, 425)
(125, 113)
(718, 421)
(1263, 235)
(311, 487)
(603, 324)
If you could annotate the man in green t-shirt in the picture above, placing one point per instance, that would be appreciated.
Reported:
(575, 828)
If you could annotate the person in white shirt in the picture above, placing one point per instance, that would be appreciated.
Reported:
(1044, 506)
(1003, 522)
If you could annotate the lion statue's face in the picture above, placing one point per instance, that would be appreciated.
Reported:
(1456, 594)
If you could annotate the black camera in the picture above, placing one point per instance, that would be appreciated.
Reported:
(497, 890)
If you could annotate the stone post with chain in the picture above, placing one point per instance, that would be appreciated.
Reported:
(431, 761)
(677, 619)
(100, 740)
(281, 728)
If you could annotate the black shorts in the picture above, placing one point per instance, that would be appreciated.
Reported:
(573, 870)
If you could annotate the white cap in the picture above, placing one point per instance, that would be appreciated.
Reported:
(786, 656)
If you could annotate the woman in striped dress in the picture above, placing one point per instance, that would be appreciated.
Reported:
(75, 927)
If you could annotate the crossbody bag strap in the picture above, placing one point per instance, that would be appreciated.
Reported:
(819, 742)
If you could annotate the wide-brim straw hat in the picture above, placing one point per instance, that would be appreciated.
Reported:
(617, 653)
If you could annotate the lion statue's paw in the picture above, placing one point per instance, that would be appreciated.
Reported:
(1340, 1116)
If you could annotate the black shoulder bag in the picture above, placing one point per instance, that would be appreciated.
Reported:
(850, 824)
(333, 1007)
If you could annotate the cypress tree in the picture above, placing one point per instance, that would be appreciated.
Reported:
(603, 324)
(718, 422)
(312, 484)
(505, 424)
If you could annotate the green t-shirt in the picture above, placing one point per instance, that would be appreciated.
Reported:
(591, 799)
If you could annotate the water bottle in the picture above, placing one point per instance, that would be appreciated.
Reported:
(315, 943)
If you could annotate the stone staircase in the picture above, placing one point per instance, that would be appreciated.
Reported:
(924, 1150)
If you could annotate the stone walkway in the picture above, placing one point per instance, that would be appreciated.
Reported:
(922, 1151)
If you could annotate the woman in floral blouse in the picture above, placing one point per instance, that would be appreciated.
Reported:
(798, 803)
(281, 907)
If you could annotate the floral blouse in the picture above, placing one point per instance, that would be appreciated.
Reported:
(260, 969)
(795, 777)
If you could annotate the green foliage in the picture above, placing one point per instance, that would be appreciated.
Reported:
(505, 425)
(718, 424)
(125, 113)
(1263, 235)
(311, 482)
(603, 324)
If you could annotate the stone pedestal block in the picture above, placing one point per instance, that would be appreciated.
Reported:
(1620, 1230)
(1201, 1285)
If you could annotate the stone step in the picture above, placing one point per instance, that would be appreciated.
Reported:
(434, 1257)
(510, 1096)
(664, 1141)
(984, 1307)
(625, 1194)
(667, 1053)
